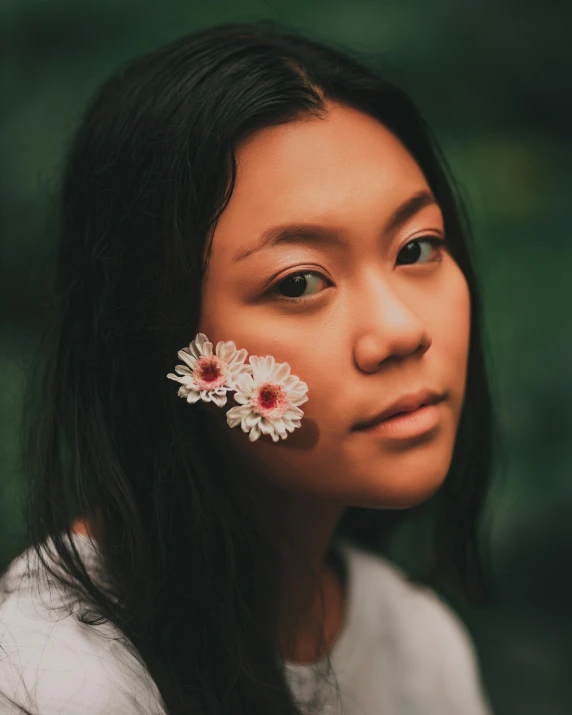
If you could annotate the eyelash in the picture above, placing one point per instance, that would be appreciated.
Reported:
(433, 240)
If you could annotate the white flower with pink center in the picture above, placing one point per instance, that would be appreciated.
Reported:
(269, 399)
(207, 376)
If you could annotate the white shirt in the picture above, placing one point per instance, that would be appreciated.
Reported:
(401, 651)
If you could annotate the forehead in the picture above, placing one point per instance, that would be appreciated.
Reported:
(338, 170)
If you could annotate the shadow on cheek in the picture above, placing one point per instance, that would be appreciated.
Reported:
(304, 437)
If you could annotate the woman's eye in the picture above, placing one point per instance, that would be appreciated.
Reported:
(293, 287)
(412, 250)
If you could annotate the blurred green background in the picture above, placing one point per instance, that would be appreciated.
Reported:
(493, 80)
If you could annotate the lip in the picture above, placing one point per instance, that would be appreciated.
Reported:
(407, 425)
(407, 403)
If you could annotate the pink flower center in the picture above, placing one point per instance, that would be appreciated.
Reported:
(209, 373)
(271, 400)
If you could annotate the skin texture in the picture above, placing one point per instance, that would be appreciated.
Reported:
(377, 327)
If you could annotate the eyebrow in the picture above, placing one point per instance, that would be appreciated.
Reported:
(321, 235)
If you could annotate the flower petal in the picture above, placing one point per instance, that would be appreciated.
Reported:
(219, 400)
(193, 350)
(183, 370)
(294, 411)
(200, 341)
(298, 400)
(237, 414)
(234, 371)
(254, 434)
(226, 350)
(251, 420)
(241, 398)
(189, 359)
(265, 426)
(245, 384)
(282, 371)
(240, 355)
(232, 420)
(255, 362)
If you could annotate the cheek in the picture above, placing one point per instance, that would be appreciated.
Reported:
(452, 331)
(211, 320)
(460, 317)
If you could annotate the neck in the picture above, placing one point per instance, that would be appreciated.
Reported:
(300, 529)
(309, 632)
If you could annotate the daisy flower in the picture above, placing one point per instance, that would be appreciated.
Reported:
(268, 398)
(206, 376)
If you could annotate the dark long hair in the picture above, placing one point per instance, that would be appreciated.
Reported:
(149, 170)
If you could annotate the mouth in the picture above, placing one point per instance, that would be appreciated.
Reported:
(403, 406)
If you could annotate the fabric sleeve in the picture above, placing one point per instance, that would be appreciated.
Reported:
(61, 667)
(452, 657)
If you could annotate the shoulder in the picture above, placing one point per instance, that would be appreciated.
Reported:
(426, 635)
(50, 662)
(413, 607)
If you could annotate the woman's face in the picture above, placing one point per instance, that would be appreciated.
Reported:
(382, 318)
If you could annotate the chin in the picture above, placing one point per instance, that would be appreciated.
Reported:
(399, 494)
(417, 494)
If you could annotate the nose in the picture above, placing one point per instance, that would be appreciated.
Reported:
(386, 326)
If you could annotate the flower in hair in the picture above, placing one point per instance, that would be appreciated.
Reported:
(207, 376)
(268, 398)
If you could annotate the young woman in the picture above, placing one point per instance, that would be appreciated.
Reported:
(263, 226)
